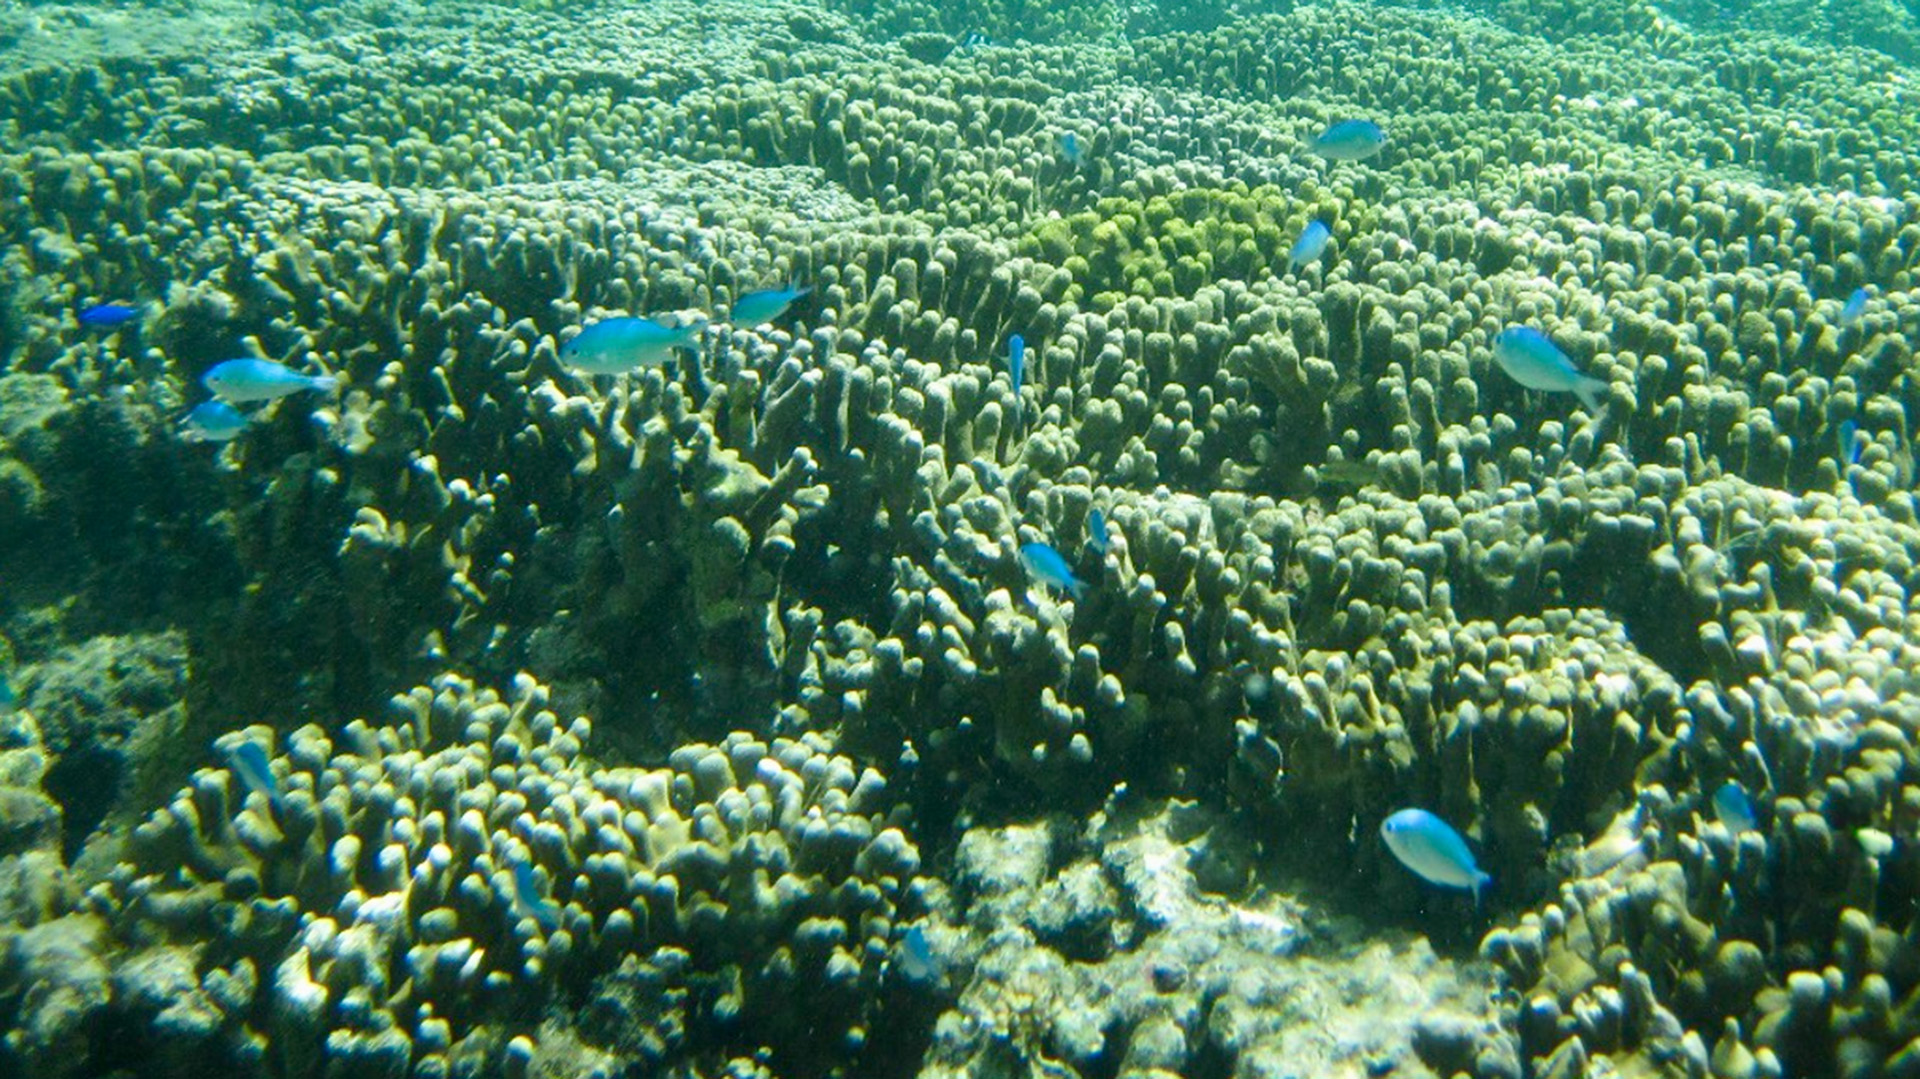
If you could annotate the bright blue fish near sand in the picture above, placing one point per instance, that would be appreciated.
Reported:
(1073, 149)
(1538, 364)
(1734, 808)
(1097, 537)
(1856, 306)
(1349, 140)
(529, 902)
(108, 316)
(1046, 565)
(613, 346)
(1307, 249)
(763, 305)
(213, 421)
(250, 764)
(1433, 850)
(240, 381)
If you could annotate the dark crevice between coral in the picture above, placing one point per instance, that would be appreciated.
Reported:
(1210, 1058)
(86, 781)
(1107, 1062)
(119, 1045)
(901, 1034)
(1618, 576)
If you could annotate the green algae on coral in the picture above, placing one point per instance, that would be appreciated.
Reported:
(1169, 245)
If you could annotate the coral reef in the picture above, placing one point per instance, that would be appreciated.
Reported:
(461, 893)
(1352, 566)
(103, 712)
(1111, 942)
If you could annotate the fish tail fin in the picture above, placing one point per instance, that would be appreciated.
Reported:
(326, 383)
(1589, 390)
(1480, 882)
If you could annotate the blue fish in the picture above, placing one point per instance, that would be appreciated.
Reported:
(529, 902)
(1851, 442)
(1307, 249)
(213, 421)
(1433, 850)
(1538, 364)
(1097, 537)
(763, 305)
(613, 346)
(1072, 149)
(1045, 564)
(916, 962)
(1016, 369)
(250, 764)
(1349, 140)
(108, 316)
(1856, 306)
(1734, 808)
(240, 381)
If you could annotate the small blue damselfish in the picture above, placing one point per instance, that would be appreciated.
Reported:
(1734, 809)
(1855, 306)
(1535, 362)
(1048, 567)
(255, 771)
(107, 316)
(764, 305)
(1097, 537)
(240, 381)
(1349, 140)
(1308, 248)
(213, 421)
(528, 902)
(1074, 150)
(1433, 850)
(613, 346)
